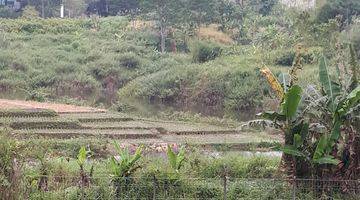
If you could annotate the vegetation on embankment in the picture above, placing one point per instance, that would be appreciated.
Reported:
(213, 70)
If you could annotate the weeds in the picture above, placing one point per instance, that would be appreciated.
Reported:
(10, 171)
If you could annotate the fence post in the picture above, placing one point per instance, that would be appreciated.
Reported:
(154, 190)
(294, 188)
(225, 186)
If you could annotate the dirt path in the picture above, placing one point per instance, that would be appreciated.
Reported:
(59, 108)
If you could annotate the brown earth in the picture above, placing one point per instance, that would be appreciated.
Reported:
(59, 108)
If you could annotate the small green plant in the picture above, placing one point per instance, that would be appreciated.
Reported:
(176, 161)
(84, 177)
(123, 165)
(44, 172)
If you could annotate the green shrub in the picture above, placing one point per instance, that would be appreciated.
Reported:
(44, 26)
(30, 12)
(6, 12)
(286, 59)
(207, 190)
(9, 171)
(261, 167)
(43, 80)
(239, 167)
(205, 51)
(309, 57)
(124, 107)
(354, 37)
(226, 86)
(38, 94)
(129, 60)
(258, 189)
(332, 8)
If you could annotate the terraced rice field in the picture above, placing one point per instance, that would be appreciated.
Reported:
(39, 123)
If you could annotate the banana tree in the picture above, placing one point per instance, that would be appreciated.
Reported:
(123, 166)
(295, 128)
(84, 176)
(299, 151)
(337, 108)
(320, 127)
(176, 161)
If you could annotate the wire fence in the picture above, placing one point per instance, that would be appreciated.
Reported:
(175, 187)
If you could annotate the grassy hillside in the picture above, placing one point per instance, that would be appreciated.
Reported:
(110, 62)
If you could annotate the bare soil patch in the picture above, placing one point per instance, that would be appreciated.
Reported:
(59, 108)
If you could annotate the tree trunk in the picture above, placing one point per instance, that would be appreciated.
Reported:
(42, 9)
(162, 38)
(173, 46)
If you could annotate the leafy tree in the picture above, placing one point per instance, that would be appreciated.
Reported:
(201, 12)
(99, 7)
(46, 8)
(123, 7)
(230, 14)
(266, 6)
(6, 12)
(165, 13)
(30, 12)
(74, 8)
(345, 8)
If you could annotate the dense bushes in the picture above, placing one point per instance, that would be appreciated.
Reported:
(6, 12)
(44, 26)
(92, 59)
(239, 167)
(205, 51)
(345, 8)
(309, 57)
(226, 86)
(129, 60)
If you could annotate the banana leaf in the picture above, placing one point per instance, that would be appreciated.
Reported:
(273, 116)
(321, 147)
(352, 99)
(81, 157)
(297, 140)
(331, 88)
(291, 102)
(327, 160)
(171, 157)
(291, 150)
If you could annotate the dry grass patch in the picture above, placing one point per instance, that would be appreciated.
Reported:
(212, 33)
